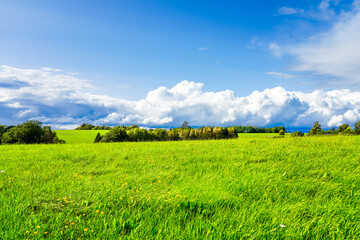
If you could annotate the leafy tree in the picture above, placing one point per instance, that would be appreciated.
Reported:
(133, 126)
(2, 131)
(232, 133)
(281, 132)
(224, 133)
(116, 134)
(342, 128)
(49, 136)
(9, 137)
(30, 132)
(185, 125)
(192, 134)
(297, 134)
(357, 127)
(161, 134)
(173, 135)
(184, 134)
(316, 129)
(97, 138)
(217, 132)
(348, 130)
(86, 126)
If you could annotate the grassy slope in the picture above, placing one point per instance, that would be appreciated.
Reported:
(79, 136)
(240, 188)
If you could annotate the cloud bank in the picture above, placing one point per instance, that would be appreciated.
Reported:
(63, 101)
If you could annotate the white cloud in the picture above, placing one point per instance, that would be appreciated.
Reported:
(288, 11)
(335, 53)
(202, 48)
(275, 49)
(63, 101)
(323, 12)
(281, 75)
(331, 56)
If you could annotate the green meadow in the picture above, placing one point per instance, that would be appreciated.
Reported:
(246, 188)
(79, 136)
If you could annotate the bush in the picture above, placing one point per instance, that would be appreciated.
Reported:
(297, 134)
(281, 132)
(316, 129)
(116, 134)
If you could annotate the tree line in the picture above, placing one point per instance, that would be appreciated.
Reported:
(86, 126)
(238, 129)
(343, 129)
(136, 134)
(30, 132)
(252, 129)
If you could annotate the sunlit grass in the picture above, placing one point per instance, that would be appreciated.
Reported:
(79, 136)
(262, 188)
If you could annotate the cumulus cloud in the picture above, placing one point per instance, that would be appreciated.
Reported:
(63, 101)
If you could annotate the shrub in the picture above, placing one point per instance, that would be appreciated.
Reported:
(297, 134)
(116, 134)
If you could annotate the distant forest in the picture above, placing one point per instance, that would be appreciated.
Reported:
(136, 134)
(238, 129)
(33, 132)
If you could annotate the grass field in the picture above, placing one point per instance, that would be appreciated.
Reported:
(248, 188)
(79, 136)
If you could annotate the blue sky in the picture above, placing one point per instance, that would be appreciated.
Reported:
(125, 49)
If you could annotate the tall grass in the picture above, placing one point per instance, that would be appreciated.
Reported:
(261, 188)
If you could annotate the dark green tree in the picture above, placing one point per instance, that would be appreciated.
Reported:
(316, 129)
(2, 131)
(297, 134)
(342, 128)
(116, 134)
(97, 138)
(49, 136)
(357, 127)
(185, 125)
